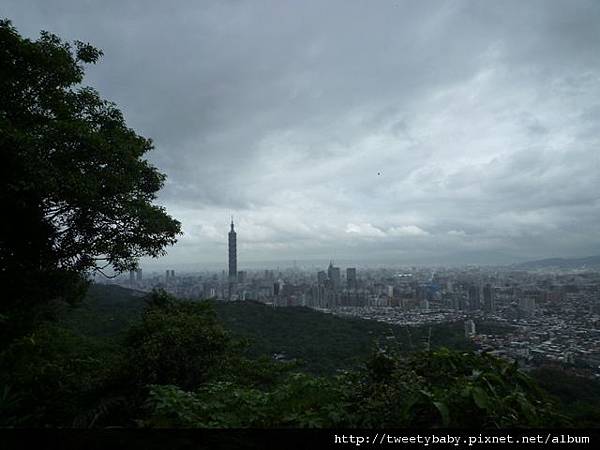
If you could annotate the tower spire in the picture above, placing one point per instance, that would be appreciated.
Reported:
(232, 254)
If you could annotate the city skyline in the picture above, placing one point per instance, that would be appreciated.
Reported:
(443, 132)
(350, 264)
(535, 317)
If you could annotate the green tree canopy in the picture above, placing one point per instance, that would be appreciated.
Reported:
(77, 194)
(177, 342)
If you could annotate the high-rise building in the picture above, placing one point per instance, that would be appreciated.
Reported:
(474, 297)
(351, 278)
(421, 293)
(131, 276)
(488, 299)
(139, 275)
(167, 274)
(335, 276)
(321, 278)
(172, 273)
(232, 254)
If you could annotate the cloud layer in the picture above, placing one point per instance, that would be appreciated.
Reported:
(398, 131)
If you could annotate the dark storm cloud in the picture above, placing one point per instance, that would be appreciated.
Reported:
(400, 130)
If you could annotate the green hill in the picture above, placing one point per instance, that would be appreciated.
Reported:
(323, 342)
(88, 367)
(326, 342)
(107, 311)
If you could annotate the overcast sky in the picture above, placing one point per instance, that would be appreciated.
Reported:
(375, 131)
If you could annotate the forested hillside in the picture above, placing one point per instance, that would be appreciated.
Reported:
(314, 342)
(128, 359)
(323, 343)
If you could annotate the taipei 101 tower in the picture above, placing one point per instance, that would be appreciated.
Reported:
(232, 254)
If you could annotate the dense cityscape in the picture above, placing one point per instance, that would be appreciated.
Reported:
(543, 315)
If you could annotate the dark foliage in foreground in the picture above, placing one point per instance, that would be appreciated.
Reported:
(578, 396)
(425, 389)
(177, 342)
(179, 367)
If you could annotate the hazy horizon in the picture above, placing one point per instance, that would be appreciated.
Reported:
(159, 266)
(406, 132)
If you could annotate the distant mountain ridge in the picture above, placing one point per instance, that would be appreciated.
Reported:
(564, 263)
